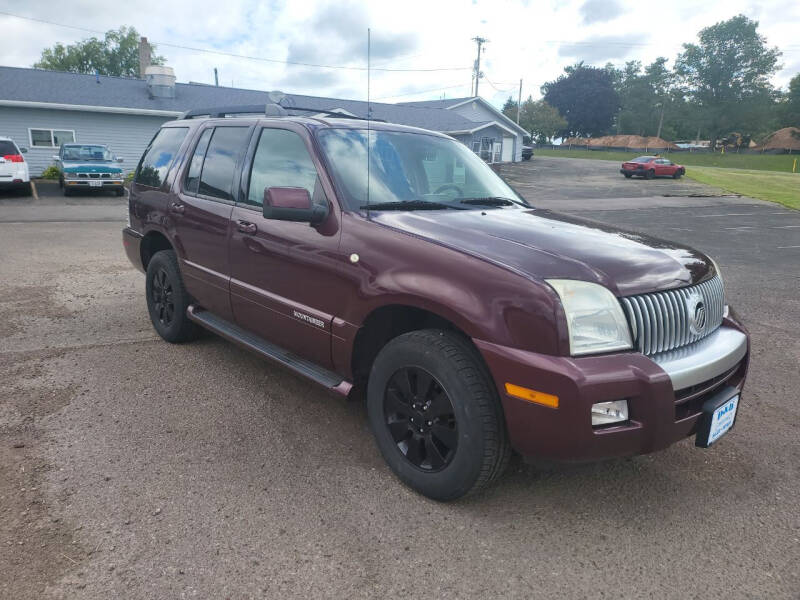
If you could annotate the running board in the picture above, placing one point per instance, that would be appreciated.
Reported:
(301, 366)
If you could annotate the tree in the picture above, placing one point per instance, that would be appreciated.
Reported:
(727, 76)
(790, 113)
(651, 105)
(117, 54)
(510, 108)
(586, 98)
(542, 120)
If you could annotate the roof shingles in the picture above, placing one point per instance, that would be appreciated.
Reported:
(37, 85)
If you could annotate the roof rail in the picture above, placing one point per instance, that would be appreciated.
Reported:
(270, 110)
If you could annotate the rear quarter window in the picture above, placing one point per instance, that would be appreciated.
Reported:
(159, 155)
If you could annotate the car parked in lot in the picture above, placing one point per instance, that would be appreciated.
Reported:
(89, 167)
(472, 322)
(14, 173)
(650, 167)
(527, 152)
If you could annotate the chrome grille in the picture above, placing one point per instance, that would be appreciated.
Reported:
(661, 321)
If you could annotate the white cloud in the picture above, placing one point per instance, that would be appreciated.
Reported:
(528, 40)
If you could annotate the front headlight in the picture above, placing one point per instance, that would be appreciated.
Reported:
(70, 174)
(595, 320)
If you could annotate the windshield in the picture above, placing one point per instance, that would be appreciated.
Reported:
(87, 153)
(411, 170)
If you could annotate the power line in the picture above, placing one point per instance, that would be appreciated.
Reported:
(508, 91)
(245, 56)
(441, 89)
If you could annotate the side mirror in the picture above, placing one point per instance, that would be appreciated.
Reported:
(292, 204)
(23, 149)
(120, 159)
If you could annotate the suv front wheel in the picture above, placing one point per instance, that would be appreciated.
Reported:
(435, 414)
(167, 299)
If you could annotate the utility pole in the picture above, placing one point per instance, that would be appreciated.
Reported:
(480, 41)
(519, 100)
(216, 77)
(660, 120)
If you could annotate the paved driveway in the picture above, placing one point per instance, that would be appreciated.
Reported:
(134, 468)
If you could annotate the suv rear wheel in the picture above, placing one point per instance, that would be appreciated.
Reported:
(435, 414)
(167, 299)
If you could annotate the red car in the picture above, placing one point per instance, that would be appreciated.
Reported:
(652, 166)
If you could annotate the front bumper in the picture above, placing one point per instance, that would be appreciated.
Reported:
(94, 184)
(665, 395)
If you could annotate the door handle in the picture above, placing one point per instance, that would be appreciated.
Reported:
(177, 208)
(246, 227)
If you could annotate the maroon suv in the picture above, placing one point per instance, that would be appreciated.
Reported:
(391, 262)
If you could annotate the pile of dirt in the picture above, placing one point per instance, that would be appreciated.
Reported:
(787, 138)
(622, 141)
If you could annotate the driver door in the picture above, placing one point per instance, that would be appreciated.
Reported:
(284, 282)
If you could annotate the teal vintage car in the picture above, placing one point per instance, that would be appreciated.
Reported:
(87, 167)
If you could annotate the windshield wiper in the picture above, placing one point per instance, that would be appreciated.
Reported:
(490, 201)
(409, 205)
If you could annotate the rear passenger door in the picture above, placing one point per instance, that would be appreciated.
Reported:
(201, 212)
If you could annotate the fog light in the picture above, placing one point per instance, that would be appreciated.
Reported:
(604, 413)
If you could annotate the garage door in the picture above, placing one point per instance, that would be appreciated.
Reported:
(508, 149)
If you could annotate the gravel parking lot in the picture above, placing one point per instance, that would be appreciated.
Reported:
(137, 469)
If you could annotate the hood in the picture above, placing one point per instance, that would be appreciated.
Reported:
(74, 166)
(542, 244)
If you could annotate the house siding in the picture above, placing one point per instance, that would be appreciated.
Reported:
(126, 135)
(490, 132)
(475, 111)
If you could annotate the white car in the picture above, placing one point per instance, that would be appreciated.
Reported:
(14, 172)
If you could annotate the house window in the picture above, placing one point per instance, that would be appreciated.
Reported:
(51, 138)
(476, 147)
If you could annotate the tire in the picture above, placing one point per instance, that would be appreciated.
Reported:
(119, 192)
(650, 174)
(677, 174)
(627, 175)
(460, 446)
(167, 299)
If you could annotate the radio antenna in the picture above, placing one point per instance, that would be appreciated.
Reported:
(369, 109)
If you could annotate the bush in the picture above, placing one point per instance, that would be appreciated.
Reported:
(129, 177)
(51, 172)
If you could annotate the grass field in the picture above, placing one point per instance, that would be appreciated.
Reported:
(783, 188)
(753, 162)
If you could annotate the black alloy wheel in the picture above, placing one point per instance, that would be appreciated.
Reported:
(436, 414)
(168, 300)
(650, 174)
(420, 418)
(162, 297)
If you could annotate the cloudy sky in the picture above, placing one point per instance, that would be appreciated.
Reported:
(420, 49)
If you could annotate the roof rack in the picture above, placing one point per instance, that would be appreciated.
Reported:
(270, 109)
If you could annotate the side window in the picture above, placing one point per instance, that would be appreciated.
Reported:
(216, 177)
(196, 166)
(159, 155)
(281, 160)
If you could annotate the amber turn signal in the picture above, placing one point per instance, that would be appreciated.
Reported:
(531, 395)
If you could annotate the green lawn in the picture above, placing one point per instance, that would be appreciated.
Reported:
(757, 162)
(783, 188)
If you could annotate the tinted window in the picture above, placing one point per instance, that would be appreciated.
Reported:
(216, 178)
(196, 166)
(281, 160)
(642, 159)
(159, 155)
(7, 148)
